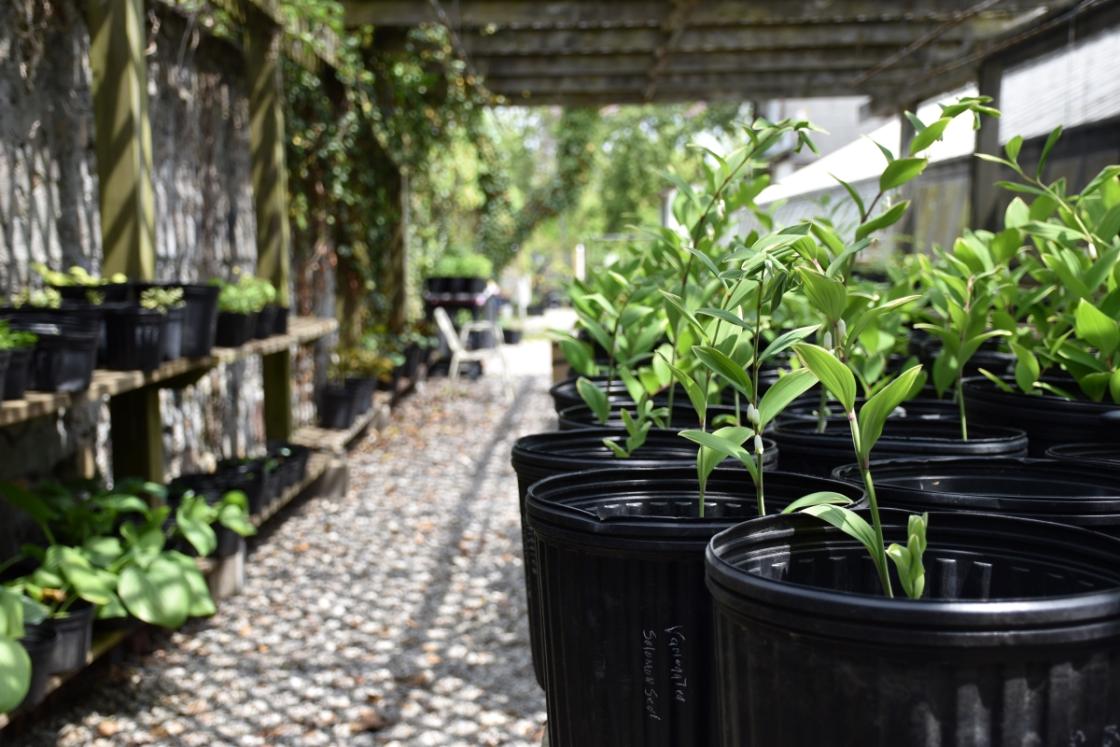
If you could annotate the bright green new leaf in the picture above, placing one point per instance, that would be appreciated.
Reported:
(1114, 386)
(194, 517)
(828, 295)
(1012, 148)
(595, 398)
(1027, 369)
(1096, 328)
(900, 171)
(1017, 214)
(909, 560)
(15, 674)
(785, 390)
(885, 219)
(696, 395)
(874, 413)
(930, 135)
(820, 498)
(833, 375)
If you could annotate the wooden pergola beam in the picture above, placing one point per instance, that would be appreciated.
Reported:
(648, 13)
(672, 30)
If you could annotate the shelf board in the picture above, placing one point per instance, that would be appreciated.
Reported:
(336, 441)
(301, 330)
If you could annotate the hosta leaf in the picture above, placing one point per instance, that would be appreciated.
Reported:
(159, 595)
(202, 604)
(15, 674)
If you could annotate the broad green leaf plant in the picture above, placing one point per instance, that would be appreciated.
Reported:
(15, 664)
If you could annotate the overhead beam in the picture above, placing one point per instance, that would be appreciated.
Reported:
(648, 13)
(672, 31)
(794, 84)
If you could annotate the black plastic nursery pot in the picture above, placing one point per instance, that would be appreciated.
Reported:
(511, 336)
(110, 292)
(1016, 642)
(336, 406)
(566, 395)
(1080, 495)
(74, 636)
(361, 389)
(18, 374)
(134, 339)
(265, 325)
(39, 641)
(63, 360)
(1091, 454)
(682, 416)
(1048, 420)
(292, 464)
(627, 629)
(544, 455)
(804, 450)
(201, 318)
(254, 477)
(921, 408)
(5, 362)
(234, 329)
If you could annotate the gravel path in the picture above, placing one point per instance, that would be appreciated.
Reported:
(392, 616)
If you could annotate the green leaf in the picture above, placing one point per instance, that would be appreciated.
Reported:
(1017, 214)
(833, 375)
(900, 171)
(828, 295)
(874, 413)
(1012, 148)
(929, 135)
(851, 524)
(1114, 386)
(785, 341)
(723, 366)
(159, 595)
(908, 560)
(1096, 328)
(1027, 369)
(579, 355)
(11, 613)
(887, 218)
(820, 498)
(595, 398)
(696, 395)
(1051, 141)
(785, 390)
(193, 518)
(851, 193)
(89, 583)
(618, 451)
(15, 674)
(202, 604)
(102, 551)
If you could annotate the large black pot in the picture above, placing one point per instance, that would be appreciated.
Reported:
(683, 416)
(566, 395)
(1047, 420)
(627, 635)
(1017, 641)
(336, 406)
(1031, 488)
(18, 374)
(361, 389)
(542, 455)
(134, 339)
(74, 637)
(804, 450)
(1093, 455)
(922, 408)
(39, 641)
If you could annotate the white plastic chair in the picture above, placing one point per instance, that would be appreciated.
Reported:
(457, 342)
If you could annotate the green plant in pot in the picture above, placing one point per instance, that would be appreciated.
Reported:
(162, 300)
(40, 298)
(15, 664)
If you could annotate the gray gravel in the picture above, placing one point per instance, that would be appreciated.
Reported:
(392, 616)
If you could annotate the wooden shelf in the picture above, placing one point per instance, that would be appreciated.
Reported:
(301, 330)
(336, 441)
(317, 464)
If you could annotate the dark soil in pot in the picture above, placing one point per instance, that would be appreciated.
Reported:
(1048, 420)
(173, 334)
(627, 630)
(265, 323)
(75, 635)
(336, 406)
(1017, 641)
(134, 339)
(233, 329)
(1086, 496)
(683, 416)
(40, 642)
(18, 374)
(543, 455)
(804, 450)
(1105, 455)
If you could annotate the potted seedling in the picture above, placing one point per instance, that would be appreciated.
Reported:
(169, 302)
(20, 347)
(237, 314)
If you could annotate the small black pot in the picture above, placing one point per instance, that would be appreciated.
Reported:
(683, 416)
(64, 359)
(234, 329)
(1047, 420)
(266, 322)
(437, 285)
(336, 406)
(1105, 455)
(74, 637)
(362, 389)
(293, 463)
(18, 374)
(1080, 495)
(475, 286)
(1016, 642)
(125, 293)
(544, 455)
(250, 477)
(5, 362)
(135, 339)
(626, 619)
(200, 315)
(806, 451)
(511, 336)
(173, 334)
(40, 642)
(280, 321)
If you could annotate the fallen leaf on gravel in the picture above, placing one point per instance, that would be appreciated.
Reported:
(108, 728)
(369, 720)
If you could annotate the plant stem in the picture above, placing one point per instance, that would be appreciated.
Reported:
(960, 406)
(876, 522)
(758, 487)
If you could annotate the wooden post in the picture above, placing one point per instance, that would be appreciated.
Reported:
(397, 265)
(123, 136)
(270, 201)
(982, 189)
(123, 141)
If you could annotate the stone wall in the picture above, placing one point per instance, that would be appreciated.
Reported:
(205, 225)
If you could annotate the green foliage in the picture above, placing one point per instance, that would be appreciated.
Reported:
(162, 299)
(14, 339)
(246, 296)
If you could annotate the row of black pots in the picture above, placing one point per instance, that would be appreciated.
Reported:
(341, 403)
(234, 329)
(805, 643)
(450, 284)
